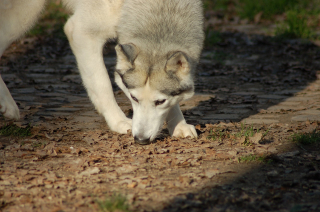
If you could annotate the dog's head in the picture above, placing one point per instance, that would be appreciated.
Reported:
(154, 84)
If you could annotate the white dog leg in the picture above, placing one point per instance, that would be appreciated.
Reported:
(87, 46)
(16, 17)
(177, 124)
(7, 105)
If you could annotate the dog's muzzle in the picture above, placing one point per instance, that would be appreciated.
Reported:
(142, 141)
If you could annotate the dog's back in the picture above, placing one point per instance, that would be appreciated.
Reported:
(16, 17)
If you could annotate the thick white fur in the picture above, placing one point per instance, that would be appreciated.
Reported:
(91, 24)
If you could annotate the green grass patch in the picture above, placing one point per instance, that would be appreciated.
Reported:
(306, 138)
(114, 203)
(269, 8)
(254, 158)
(216, 4)
(218, 56)
(249, 8)
(51, 21)
(295, 26)
(14, 130)
(250, 131)
(218, 134)
(246, 131)
(212, 37)
(36, 145)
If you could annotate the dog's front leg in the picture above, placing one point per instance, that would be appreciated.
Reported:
(87, 46)
(7, 105)
(178, 126)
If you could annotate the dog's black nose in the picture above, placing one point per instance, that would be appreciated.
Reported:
(141, 141)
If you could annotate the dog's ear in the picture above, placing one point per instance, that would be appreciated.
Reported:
(127, 53)
(178, 63)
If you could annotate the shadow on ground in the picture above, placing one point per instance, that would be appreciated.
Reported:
(274, 85)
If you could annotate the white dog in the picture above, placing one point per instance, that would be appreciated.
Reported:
(160, 42)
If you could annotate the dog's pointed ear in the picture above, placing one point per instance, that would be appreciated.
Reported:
(178, 63)
(127, 52)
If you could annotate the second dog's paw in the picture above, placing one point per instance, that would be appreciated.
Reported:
(184, 130)
(9, 109)
(122, 126)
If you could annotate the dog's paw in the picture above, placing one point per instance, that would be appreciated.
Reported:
(9, 109)
(122, 126)
(184, 130)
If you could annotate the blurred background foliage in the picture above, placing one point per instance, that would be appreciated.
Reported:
(52, 20)
(285, 19)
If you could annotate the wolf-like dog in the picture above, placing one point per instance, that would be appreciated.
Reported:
(159, 44)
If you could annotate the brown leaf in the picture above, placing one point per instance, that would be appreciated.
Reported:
(125, 169)
(242, 139)
(37, 181)
(210, 173)
(20, 153)
(233, 152)
(63, 149)
(222, 155)
(24, 199)
(90, 171)
(5, 182)
(256, 138)
(50, 176)
(41, 154)
(198, 127)
(132, 185)
(22, 172)
(27, 147)
(184, 179)
(36, 172)
(50, 146)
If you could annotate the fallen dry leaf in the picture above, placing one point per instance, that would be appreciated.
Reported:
(210, 173)
(90, 171)
(125, 169)
(132, 185)
(256, 138)
(242, 140)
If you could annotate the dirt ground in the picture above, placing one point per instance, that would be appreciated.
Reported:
(252, 94)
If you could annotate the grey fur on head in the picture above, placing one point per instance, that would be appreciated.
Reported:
(160, 29)
(161, 26)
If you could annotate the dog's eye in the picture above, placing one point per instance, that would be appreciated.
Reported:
(134, 98)
(160, 102)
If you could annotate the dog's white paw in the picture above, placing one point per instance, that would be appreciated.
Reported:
(122, 126)
(184, 130)
(9, 108)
